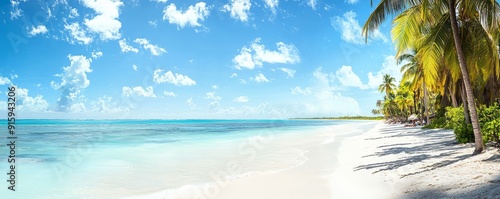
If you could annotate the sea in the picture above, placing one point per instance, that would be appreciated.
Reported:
(129, 158)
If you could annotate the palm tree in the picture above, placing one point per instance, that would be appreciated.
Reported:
(415, 73)
(479, 11)
(389, 106)
(379, 108)
(401, 103)
(478, 16)
(387, 85)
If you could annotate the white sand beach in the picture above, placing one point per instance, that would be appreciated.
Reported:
(393, 161)
(308, 179)
(388, 161)
(376, 160)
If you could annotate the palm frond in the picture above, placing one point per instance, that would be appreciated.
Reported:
(407, 28)
(431, 53)
(383, 9)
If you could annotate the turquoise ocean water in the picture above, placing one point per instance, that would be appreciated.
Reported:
(120, 158)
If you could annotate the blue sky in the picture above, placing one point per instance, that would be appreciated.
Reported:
(192, 59)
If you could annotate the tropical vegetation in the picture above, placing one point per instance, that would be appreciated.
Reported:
(358, 117)
(451, 72)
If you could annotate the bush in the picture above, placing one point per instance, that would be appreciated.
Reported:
(456, 121)
(489, 119)
(437, 123)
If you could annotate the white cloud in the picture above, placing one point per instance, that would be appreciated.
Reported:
(325, 101)
(169, 77)
(241, 99)
(28, 103)
(154, 49)
(49, 13)
(215, 86)
(212, 96)
(312, 3)
(272, 4)
(40, 29)
(138, 91)
(169, 93)
(15, 12)
(35, 104)
(73, 81)
(323, 79)
(153, 23)
(4, 81)
(257, 54)
(215, 105)
(350, 29)
(239, 9)
(286, 54)
(96, 54)
(106, 22)
(351, 1)
(77, 107)
(22, 92)
(348, 78)
(244, 59)
(329, 103)
(317, 100)
(191, 16)
(78, 33)
(161, 1)
(233, 75)
(388, 67)
(105, 104)
(73, 12)
(298, 90)
(127, 48)
(190, 103)
(134, 67)
(289, 72)
(264, 110)
(320, 75)
(260, 78)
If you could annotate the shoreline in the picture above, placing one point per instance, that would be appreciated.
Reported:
(382, 161)
(387, 161)
(309, 178)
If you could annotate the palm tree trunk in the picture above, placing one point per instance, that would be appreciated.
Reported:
(445, 100)
(453, 97)
(468, 87)
(422, 111)
(466, 109)
(414, 103)
(426, 104)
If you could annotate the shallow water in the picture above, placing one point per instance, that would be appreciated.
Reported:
(119, 158)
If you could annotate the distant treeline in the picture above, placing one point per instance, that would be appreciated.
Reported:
(346, 118)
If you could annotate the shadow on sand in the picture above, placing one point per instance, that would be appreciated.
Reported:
(436, 140)
(490, 190)
(440, 141)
